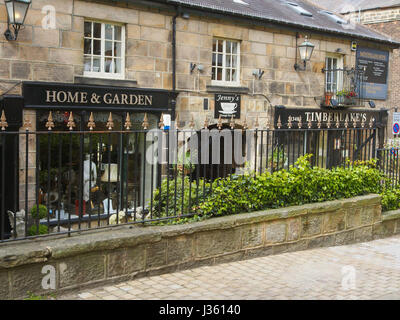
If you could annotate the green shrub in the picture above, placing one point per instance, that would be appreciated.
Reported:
(391, 199)
(42, 230)
(42, 211)
(191, 193)
(299, 185)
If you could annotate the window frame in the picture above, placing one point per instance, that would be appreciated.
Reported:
(339, 76)
(223, 82)
(102, 73)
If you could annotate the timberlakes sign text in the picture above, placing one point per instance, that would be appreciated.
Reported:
(323, 117)
(38, 95)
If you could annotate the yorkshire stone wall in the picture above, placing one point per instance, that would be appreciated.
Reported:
(125, 253)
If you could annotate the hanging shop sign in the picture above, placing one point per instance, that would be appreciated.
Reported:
(38, 95)
(376, 66)
(227, 105)
(315, 116)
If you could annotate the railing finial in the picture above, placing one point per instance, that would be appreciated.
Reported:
(71, 123)
(355, 122)
(145, 123)
(3, 121)
(191, 123)
(279, 123)
(346, 123)
(161, 123)
(328, 123)
(300, 124)
(256, 123)
(128, 123)
(267, 123)
(177, 121)
(219, 123)
(110, 122)
(362, 123)
(289, 124)
(206, 123)
(50, 122)
(245, 127)
(371, 122)
(91, 124)
(232, 123)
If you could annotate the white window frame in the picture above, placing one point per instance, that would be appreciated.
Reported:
(103, 74)
(223, 82)
(339, 76)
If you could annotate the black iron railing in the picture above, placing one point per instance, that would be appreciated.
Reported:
(343, 87)
(70, 181)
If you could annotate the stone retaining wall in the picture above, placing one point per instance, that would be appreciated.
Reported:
(129, 252)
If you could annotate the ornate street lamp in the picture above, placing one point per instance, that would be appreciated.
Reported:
(16, 13)
(306, 50)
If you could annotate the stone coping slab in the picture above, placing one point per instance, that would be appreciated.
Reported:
(13, 254)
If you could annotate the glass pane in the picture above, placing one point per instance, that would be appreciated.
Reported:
(88, 64)
(118, 68)
(228, 75)
(234, 75)
(219, 74)
(234, 61)
(228, 47)
(108, 48)
(228, 60)
(234, 47)
(109, 31)
(88, 46)
(88, 29)
(109, 65)
(117, 33)
(213, 76)
(117, 49)
(213, 59)
(97, 47)
(97, 30)
(220, 46)
(214, 45)
(96, 64)
(220, 60)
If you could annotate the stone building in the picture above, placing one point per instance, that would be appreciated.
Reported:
(199, 59)
(382, 16)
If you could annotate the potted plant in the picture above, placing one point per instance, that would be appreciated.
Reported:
(185, 162)
(346, 97)
(328, 97)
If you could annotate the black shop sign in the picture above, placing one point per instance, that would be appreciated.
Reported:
(71, 96)
(227, 105)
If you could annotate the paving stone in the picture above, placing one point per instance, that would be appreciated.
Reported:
(305, 275)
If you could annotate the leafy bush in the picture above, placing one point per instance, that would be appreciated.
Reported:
(42, 211)
(189, 196)
(33, 230)
(391, 199)
(299, 185)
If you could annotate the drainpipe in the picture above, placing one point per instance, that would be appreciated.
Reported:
(173, 102)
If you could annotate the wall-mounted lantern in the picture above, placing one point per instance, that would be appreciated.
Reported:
(16, 14)
(306, 50)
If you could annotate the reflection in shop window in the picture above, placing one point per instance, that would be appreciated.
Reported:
(104, 168)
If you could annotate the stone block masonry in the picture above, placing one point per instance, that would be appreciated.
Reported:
(128, 252)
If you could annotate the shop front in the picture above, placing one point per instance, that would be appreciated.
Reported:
(90, 147)
(333, 136)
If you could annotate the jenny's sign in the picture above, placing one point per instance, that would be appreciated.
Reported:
(81, 96)
(227, 105)
(376, 65)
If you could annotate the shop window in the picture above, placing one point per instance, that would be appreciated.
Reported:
(226, 62)
(114, 175)
(104, 50)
